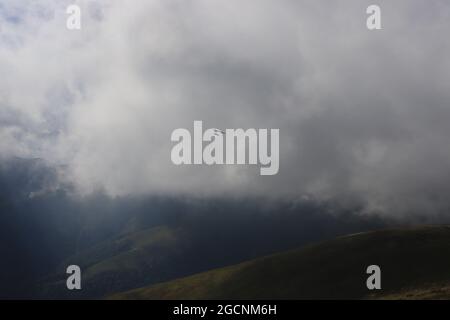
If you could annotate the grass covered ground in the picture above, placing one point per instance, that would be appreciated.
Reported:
(415, 263)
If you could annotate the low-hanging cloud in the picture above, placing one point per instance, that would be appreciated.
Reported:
(363, 115)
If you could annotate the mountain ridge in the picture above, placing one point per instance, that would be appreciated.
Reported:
(414, 262)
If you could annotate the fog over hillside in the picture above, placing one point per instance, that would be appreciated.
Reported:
(87, 116)
(42, 234)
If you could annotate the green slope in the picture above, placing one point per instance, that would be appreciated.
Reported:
(141, 257)
(415, 263)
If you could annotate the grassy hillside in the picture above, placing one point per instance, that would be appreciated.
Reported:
(123, 263)
(415, 263)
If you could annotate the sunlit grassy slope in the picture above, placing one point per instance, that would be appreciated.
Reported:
(415, 263)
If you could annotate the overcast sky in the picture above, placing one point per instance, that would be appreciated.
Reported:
(363, 115)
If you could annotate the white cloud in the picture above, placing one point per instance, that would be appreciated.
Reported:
(362, 114)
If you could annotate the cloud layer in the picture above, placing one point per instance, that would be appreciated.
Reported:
(363, 115)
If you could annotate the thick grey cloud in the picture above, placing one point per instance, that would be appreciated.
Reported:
(363, 115)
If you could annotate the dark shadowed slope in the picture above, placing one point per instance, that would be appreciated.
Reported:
(211, 237)
(415, 263)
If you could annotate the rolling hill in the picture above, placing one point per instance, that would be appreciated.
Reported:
(415, 263)
(144, 256)
(137, 252)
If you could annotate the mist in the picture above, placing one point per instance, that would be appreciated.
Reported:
(363, 116)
